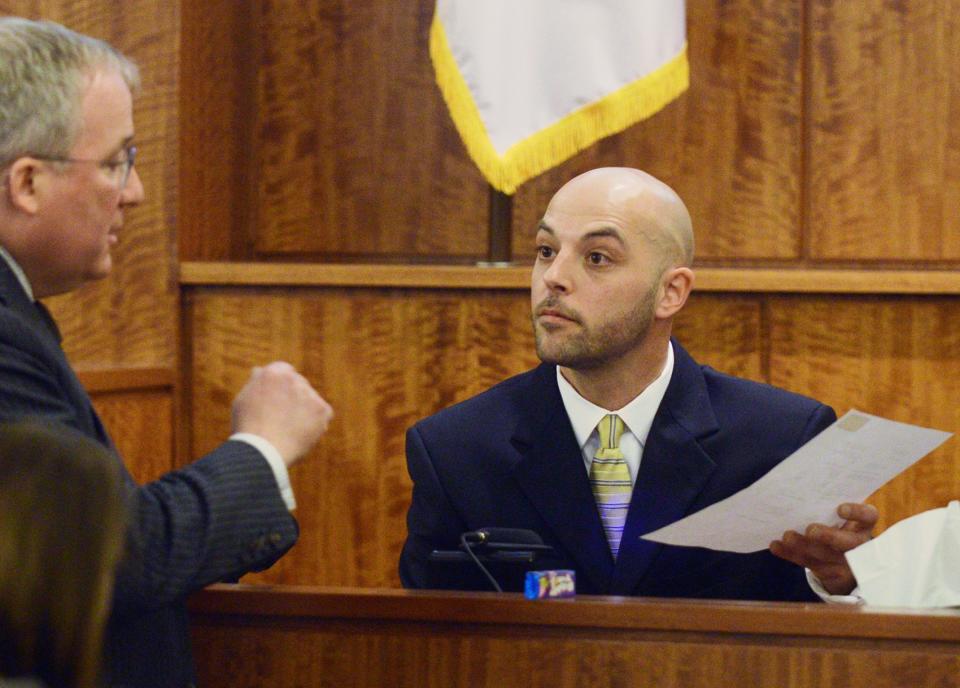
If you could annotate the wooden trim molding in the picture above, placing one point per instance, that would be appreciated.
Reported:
(98, 380)
(743, 280)
(612, 613)
(354, 275)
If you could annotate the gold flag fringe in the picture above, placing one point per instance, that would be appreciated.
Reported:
(561, 140)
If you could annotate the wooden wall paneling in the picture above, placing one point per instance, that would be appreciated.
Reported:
(385, 358)
(218, 99)
(891, 356)
(439, 656)
(141, 425)
(358, 155)
(884, 150)
(725, 332)
(137, 407)
(730, 146)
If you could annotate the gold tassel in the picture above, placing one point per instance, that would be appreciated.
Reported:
(563, 139)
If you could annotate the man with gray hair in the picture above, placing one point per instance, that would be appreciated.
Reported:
(67, 165)
(619, 431)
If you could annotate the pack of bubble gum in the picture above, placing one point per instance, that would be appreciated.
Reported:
(541, 585)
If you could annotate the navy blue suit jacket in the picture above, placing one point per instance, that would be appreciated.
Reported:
(213, 520)
(509, 458)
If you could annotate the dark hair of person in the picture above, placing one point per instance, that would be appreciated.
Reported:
(61, 534)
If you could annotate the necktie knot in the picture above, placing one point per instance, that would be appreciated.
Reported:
(610, 428)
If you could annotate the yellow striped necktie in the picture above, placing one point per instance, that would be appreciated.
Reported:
(610, 480)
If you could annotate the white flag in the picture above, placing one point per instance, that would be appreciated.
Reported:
(531, 82)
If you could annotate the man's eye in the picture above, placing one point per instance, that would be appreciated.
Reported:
(597, 258)
(544, 252)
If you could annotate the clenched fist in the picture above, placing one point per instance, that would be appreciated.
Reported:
(278, 404)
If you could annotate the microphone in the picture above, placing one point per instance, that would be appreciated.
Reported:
(506, 539)
(495, 545)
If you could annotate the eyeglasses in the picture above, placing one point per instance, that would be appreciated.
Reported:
(119, 170)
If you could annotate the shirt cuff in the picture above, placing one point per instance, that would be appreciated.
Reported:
(272, 456)
(817, 587)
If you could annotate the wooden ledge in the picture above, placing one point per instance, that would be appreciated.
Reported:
(354, 275)
(514, 277)
(126, 379)
(613, 613)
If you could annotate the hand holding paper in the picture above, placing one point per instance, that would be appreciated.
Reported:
(821, 548)
(845, 463)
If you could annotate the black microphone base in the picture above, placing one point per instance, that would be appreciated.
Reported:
(495, 557)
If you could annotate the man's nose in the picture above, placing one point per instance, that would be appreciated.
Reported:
(133, 192)
(559, 274)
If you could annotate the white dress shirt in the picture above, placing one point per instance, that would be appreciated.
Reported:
(637, 418)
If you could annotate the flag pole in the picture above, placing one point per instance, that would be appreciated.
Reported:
(499, 248)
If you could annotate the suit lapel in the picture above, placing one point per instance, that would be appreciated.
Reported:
(552, 475)
(44, 316)
(14, 297)
(673, 471)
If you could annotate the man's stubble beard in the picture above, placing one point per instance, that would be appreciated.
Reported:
(591, 349)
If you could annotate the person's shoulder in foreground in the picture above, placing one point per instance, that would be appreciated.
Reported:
(61, 535)
(613, 268)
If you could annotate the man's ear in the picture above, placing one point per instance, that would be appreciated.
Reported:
(22, 185)
(675, 288)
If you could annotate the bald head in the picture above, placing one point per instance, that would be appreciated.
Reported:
(641, 200)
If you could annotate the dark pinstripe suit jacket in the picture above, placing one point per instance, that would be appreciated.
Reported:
(215, 519)
(508, 458)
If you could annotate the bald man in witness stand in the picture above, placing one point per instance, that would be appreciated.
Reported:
(619, 431)
(67, 163)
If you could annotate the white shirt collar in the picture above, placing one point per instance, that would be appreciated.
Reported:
(637, 415)
(18, 271)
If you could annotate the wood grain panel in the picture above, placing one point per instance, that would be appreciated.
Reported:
(141, 425)
(218, 70)
(136, 406)
(731, 280)
(724, 332)
(884, 152)
(894, 357)
(384, 359)
(128, 319)
(399, 638)
(441, 657)
(357, 152)
(730, 146)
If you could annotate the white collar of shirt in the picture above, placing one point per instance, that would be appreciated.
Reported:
(637, 415)
(18, 271)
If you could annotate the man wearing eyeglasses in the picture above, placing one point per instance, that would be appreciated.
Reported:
(68, 176)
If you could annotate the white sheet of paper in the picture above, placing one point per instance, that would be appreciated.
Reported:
(847, 462)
